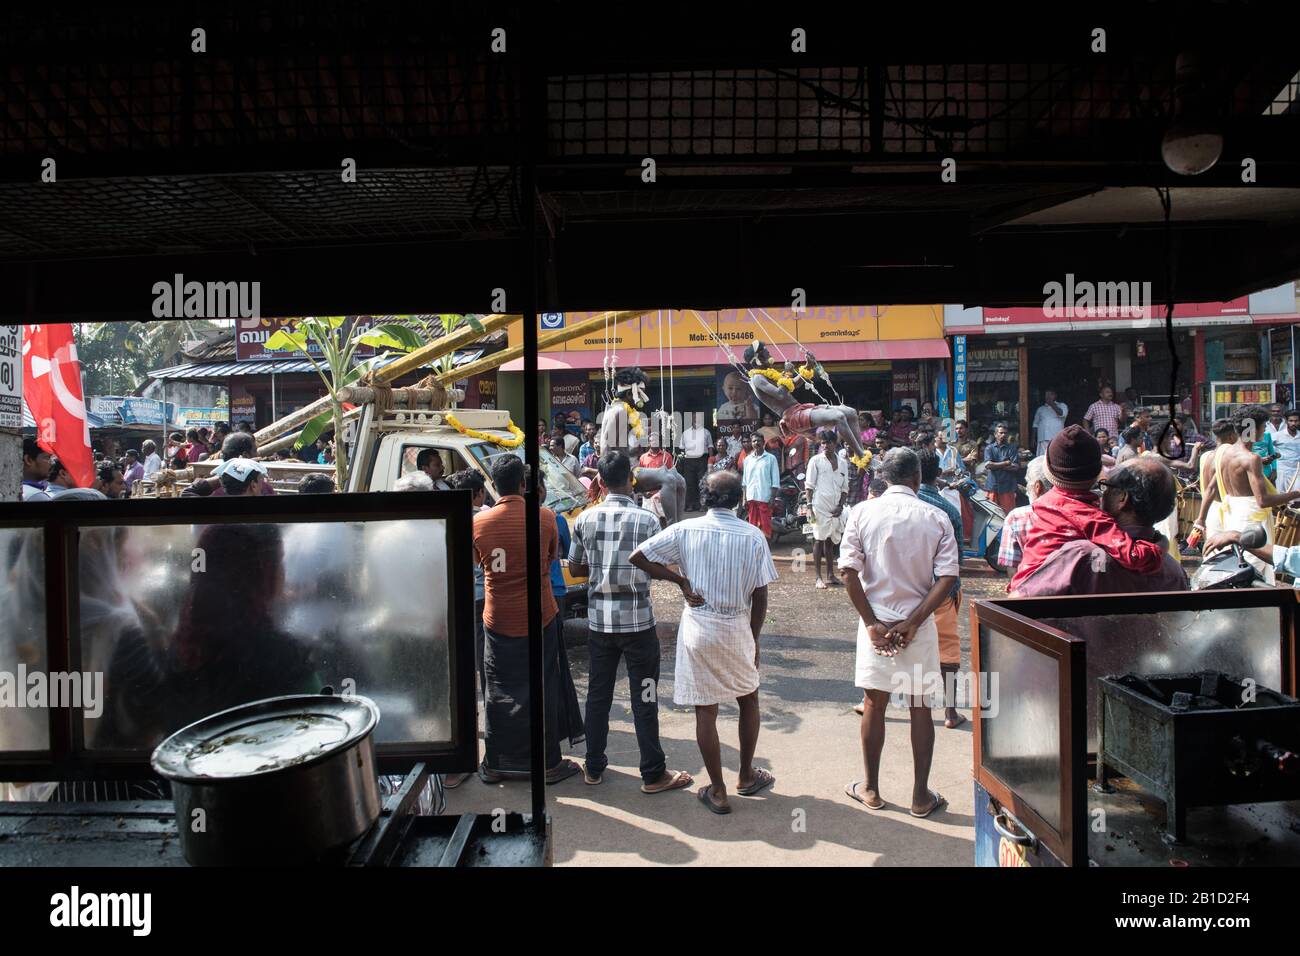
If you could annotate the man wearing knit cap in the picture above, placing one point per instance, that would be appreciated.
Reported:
(1136, 494)
(1071, 511)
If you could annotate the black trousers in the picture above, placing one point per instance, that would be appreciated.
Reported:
(641, 648)
(692, 470)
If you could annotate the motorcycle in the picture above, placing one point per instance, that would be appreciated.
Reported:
(1228, 569)
(790, 511)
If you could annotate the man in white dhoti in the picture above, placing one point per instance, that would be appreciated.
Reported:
(900, 560)
(725, 567)
(1234, 491)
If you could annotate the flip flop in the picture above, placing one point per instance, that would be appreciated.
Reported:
(859, 709)
(703, 794)
(939, 801)
(950, 725)
(592, 779)
(487, 775)
(764, 781)
(563, 771)
(453, 780)
(820, 585)
(679, 779)
(852, 790)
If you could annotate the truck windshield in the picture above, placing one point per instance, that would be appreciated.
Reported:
(564, 492)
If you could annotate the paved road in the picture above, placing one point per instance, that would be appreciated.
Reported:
(809, 740)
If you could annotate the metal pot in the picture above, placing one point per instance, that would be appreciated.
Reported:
(277, 781)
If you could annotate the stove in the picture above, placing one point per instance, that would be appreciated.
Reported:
(1198, 739)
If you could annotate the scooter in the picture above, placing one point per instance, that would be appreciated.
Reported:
(1229, 569)
(987, 529)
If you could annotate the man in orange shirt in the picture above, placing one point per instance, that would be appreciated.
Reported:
(500, 550)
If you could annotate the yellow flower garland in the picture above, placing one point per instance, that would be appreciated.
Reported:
(862, 460)
(805, 373)
(772, 374)
(633, 419)
(514, 442)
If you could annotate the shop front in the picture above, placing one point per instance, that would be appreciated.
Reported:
(877, 357)
(1013, 356)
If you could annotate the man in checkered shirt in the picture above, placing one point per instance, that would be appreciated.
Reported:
(621, 623)
(1018, 520)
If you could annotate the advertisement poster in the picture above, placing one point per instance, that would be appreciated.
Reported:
(570, 400)
(243, 409)
(11, 377)
(738, 410)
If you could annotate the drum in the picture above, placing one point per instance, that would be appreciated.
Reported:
(1286, 526)
(1189, 506)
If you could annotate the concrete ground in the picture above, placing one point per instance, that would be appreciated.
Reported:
(809, 741)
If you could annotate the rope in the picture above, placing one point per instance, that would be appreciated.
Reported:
(726, 349)
(672, 385)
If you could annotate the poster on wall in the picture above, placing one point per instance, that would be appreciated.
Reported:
(570, 400)
(907, 386)
(243, 409)
(11, 377)
(487, 391)
(737, 413)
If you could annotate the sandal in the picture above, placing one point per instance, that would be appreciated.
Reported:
(679, 779)
(939, 801)
(453, 780)
(488, 775)
(703, 794)
(562, 771)
(592, 779)
(820, 585)
(761, 782)
(852, 790)
(859, 708)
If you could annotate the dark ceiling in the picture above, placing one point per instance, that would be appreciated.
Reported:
(775, 170)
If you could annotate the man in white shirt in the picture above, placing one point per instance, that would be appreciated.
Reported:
(1276, 421)
(1049, 420)
(900, 561)
(695, 443)
(562, 455)
(1286, 443)
(827, 483)
(152, 463)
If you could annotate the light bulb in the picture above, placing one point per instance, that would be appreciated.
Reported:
(1190, 147)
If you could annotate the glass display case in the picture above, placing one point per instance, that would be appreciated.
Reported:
(1229, 398)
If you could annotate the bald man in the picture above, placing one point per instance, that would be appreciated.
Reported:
(1137, 494)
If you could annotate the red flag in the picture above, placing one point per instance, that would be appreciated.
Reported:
(52, 389)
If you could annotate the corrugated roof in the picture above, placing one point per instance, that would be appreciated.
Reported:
(195, 371)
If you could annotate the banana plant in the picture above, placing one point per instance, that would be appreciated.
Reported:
(335, 343)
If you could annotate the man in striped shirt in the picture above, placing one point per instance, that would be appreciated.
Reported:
(621, 623)
(725, 566)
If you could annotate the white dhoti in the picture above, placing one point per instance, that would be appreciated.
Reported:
(715, 658)
(1169, 528)
(1286, 475)
(912, 672)
(824, 526)
(1233, 514)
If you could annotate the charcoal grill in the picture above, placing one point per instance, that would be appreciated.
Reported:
(1199, 739)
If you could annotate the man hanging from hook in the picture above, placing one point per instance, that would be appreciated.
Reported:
(624, 428)
(776, 391)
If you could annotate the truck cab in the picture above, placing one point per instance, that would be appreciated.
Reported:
(390, 441)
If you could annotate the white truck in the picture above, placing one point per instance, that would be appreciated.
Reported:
(385, 448)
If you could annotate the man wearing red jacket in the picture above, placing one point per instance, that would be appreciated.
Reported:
(1072, 512)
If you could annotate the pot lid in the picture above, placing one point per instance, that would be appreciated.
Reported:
(265, 737)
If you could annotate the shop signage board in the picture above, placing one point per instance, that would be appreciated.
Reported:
(11, 376)
(959, 369)
(1234, 311)
(190, 416)
(106, 406)
(141, 411)
(783, 327)
(243, 409)
(251, 335)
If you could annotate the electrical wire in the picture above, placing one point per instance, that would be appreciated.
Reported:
(1166, 203)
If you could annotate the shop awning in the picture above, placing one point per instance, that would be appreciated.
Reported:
(204, 371)
(900, 350)
(992, 376)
